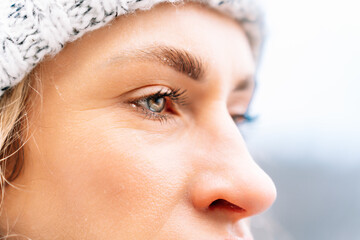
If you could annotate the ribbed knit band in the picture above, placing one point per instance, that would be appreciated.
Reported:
(32, 29)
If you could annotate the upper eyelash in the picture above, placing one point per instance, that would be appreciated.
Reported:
(176, 95)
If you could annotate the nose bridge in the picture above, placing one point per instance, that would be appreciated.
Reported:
(230, 172)
(222, 134)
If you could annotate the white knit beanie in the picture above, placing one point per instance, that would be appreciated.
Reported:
(32, 29)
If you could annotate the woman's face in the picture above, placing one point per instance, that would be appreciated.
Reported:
(134, 136)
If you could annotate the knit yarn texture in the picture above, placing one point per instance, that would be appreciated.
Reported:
(33, 29)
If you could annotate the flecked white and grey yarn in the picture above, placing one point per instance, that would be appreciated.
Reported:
(32, 29)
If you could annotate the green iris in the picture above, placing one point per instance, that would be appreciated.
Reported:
(156, 104)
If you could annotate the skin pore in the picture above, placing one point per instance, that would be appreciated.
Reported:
(133, 134)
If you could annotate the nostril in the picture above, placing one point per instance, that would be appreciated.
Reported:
(225, 205)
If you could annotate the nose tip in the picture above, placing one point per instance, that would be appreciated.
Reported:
(236, 195)
(257, 189)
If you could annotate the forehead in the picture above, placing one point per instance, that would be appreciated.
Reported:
(189, 26)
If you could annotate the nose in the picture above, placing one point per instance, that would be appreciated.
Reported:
(226, 179)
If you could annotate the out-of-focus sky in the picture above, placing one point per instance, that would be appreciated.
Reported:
(307, 137)
(310, 78)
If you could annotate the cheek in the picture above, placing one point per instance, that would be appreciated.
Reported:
(119, 173)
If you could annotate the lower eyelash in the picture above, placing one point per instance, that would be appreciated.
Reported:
(156, 116)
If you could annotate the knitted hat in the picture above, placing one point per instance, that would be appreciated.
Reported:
(32, 29)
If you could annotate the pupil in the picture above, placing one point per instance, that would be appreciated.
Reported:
(156, 104)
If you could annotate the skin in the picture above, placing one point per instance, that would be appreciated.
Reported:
(97, 168)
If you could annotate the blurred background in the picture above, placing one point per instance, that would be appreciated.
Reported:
(307, 137)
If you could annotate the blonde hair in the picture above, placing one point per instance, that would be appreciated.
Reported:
(14, 107)
(13, 125)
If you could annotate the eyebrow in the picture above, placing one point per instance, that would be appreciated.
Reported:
(178, 59)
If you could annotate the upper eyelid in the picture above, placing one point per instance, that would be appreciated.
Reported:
(177, 95)
(140, 97)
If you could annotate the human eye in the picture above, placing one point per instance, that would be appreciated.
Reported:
(241, 119)
(160, 105)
